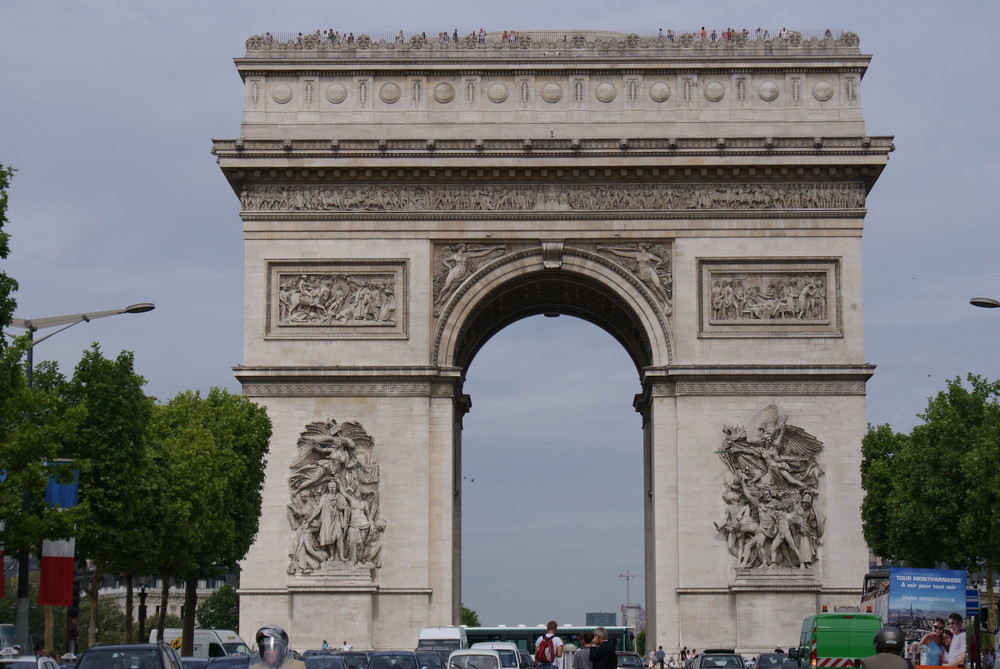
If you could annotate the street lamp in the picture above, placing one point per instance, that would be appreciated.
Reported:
(32, 325)
(985, 302)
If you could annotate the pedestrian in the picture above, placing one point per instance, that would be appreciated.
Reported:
(660, 656)
(672, 664)
(889, 643)
(346, 646)
(272, 645)
(549, 648)
(581, 658)
(602, 653)
(325, 644)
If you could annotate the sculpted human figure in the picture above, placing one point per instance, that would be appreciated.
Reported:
(334, 514)
(459, 268)
(646, 265)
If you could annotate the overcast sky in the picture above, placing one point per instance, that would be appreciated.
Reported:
(108, 109)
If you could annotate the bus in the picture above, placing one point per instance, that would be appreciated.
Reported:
(525, 636)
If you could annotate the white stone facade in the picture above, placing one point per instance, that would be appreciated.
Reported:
(401, 203)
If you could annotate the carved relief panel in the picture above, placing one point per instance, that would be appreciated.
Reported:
(337, 299)
(769, 297)
(771, 518)
(334, 508)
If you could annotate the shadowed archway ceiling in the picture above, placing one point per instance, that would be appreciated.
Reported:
(550, 292)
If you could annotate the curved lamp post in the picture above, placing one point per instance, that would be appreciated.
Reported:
(32, 325)
(985, 302)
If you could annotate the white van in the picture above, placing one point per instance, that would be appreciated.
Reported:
(450, 637)
(207, 643)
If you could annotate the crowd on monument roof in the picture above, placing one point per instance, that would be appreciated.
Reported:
(336, 37)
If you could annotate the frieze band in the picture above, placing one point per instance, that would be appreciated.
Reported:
(759, 388)
(400, 389)
(480, 197)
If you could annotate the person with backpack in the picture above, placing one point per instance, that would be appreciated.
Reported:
(549, 648)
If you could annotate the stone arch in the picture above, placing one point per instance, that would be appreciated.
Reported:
(584, 284)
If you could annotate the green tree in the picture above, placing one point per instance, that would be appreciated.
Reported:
(469, 617)
(220, 610)
(7, 284)
(933, 497)
(105, 622)
(36, 614)
(640, 643)
(214, 451)
(109, 414)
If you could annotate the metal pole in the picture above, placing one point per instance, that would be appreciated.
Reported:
(21, 633)
(142, 613)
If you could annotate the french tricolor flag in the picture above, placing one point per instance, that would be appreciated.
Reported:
(55, 586)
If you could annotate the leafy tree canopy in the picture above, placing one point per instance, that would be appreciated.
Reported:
(469, 617)
(220, 610)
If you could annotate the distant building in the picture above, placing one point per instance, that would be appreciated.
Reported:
(633, 616)
(599, 618)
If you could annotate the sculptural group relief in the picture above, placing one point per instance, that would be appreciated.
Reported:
(336, 298)
(770, 297)
(771, 517)
(593, 197)
(334, 501)
(331, 298)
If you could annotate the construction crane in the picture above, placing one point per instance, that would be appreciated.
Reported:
(628, 576)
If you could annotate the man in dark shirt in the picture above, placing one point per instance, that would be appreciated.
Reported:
(602, 653)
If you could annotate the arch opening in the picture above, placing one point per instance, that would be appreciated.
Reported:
(551, 448)
(553, 293)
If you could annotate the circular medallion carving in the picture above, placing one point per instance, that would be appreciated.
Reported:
(823, 91)
(552, 92)
(497, 92)
(281, 93)
(714, 91)
(444, 93)
(768, 91)
(606, 92)
(660, 91)
(389, 93)
(336, 93)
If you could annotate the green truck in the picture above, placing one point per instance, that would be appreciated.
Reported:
(836, 639)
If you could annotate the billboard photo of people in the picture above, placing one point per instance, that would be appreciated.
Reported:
(928, 605)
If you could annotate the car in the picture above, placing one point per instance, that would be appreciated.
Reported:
(718, 659)
(526, 659)
(325, 661)
(394, 659)
(355, 659)
(630, 660)
(474, 658)
(130, 656)
(27, 662)
(232, 662)
(774, 661)
(510, 658)
(195, 662)
(432, 658)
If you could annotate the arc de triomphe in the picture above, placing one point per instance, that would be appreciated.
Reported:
(703, 202)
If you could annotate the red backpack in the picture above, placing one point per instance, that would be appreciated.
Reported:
(546, 651)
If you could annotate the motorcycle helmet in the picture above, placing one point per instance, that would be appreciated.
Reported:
(889, 640)
(272, 637)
